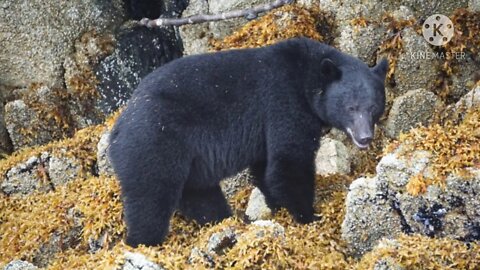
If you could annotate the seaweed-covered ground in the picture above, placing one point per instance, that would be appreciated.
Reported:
(67, 220)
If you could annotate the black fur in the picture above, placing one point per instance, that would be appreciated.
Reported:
(199, 119)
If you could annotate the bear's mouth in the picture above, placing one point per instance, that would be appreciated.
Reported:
(357, 143)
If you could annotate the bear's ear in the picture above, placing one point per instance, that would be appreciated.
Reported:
(381, 68)
(329, 70)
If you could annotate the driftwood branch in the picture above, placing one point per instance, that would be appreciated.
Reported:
(250, 13)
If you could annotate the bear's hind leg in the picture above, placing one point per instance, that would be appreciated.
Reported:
(204, 205)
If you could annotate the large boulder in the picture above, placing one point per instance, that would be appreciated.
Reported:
(398, 200)
(411, 109)
(37, 36)
(41, 116)
(415, 67)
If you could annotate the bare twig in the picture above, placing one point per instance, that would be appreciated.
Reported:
(250, 13)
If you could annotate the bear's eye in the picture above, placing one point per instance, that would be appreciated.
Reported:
(351, 109)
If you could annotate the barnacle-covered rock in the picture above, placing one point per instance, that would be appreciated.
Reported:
(34, 48)
(257, 208)
(219, 241)
(137, 52)
(428, 186)
(360, 40)
(463, 79)
(137, 261)
(416, 66)
(369, 216)
(333, 157)
(413, 108)
(345, 11)
(231, 185)
(19, 265)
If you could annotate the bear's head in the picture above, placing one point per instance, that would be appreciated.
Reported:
(352, 98)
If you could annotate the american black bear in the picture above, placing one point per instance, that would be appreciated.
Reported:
(199, 119)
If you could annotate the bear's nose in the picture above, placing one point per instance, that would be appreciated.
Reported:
(365, 140)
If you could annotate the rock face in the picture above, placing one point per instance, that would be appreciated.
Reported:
(414, 69)
(138, 51)
(195, 37)
(413, 108)
(333, 157)
(380, 206)
(257, 208)
(37, 36)
(360, 41)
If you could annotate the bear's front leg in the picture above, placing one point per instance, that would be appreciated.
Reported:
(289, 180)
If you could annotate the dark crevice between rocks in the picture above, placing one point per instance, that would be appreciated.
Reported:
(403, 221)
(153, 9)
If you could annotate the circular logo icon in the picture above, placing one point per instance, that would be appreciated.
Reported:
(438, 29)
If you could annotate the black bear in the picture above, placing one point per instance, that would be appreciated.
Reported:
(199, 119)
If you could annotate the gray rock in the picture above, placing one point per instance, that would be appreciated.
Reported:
(62, 170)
(470, 100)
(425, 8)
(17, 116)
(257, 208)
(464, 78)
(103, 161)
(24, 178)
(58, 242)
(40, 173)
(413, 108)
(263, 227)
(369, 216)
(137, 261)
(37, 36)
(380, 207)
(195, 36)
(200, 256)
(218, 242)
(38, 118)
(403, 13)
(359, 41)
(19, 265)
(474, 5)
(332, 157)
(220, 29)
(415, 67)
(230, 186)
(345, 11)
